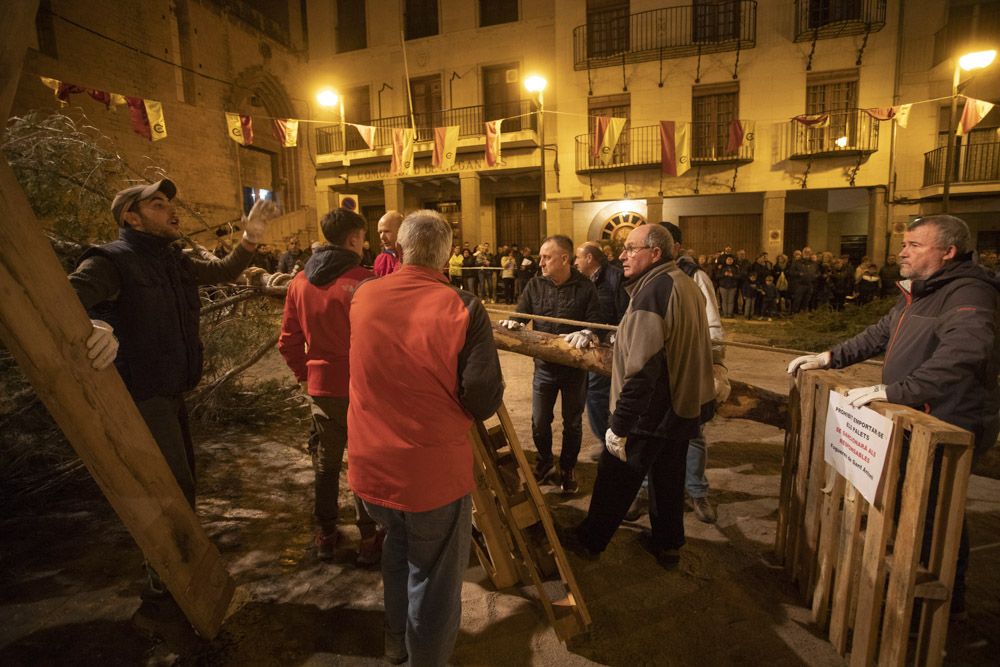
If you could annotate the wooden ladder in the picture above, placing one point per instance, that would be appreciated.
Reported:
(513, 533)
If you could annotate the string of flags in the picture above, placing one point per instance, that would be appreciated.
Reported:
(147, 120)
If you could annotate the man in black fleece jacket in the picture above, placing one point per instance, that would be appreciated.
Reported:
(942, 353)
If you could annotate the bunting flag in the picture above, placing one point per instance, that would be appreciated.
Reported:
(286, 130)
(815, 120)
(240, 128)
(974, 111)
(736, 134)
(903, 114)
(367, 133)
(147, 118)
(881, 113)
(675, 148)
(607, 131)
(402, 151)
(445, 146)
(493, 142)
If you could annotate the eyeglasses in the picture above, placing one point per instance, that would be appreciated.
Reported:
(632, 250)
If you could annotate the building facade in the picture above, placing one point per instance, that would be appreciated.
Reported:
(847, 183)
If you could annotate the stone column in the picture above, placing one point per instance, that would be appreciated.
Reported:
(393, 188)
(324, 202)
(469, 187)
(654, 210)
(878, 229)
(772, 227)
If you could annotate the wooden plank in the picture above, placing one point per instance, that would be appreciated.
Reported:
(789, 459)
(493, 551)
(871, 582)
(949, 518)
(833, 494)
(906, 549)
(811, 516)
(44, 327)
(846, 571)
(807, 395)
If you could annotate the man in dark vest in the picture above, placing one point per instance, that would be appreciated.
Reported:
(145, 289)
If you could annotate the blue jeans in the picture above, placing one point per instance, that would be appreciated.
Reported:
(424, 558)
(694, 480)
(598, 403)
(549, 381)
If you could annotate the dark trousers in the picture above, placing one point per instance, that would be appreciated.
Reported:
(665, 461)
(508, 290)
(549, 381)
(166, 417)
(598, 403)
(801, 297)
(329, 415)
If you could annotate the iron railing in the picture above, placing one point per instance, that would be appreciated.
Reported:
(824, 19)
(519, 114)
(670, 32)
(976, 163)
(849, 132)
(640, 147)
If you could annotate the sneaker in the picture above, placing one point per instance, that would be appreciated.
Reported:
(572, 541)
(668, 559)
(542, 470)
(326, 545)
(395, 649)
(569, 483)
(370, 550)
(638, 507)
(703, 510)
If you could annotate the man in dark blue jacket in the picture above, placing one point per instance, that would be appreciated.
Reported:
(942, 352)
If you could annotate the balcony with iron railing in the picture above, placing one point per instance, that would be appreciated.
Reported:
(977, 163)
(519, 115)
(640, 147)
(670, 32)
(849, 133)
(825, 19)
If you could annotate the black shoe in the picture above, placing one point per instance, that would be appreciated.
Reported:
(638, 507)
(542, 470)
(668, 559)
(569, 483)
(572, 541)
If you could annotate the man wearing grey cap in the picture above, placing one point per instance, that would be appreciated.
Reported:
(145, 289)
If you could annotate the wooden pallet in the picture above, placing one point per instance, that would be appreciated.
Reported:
(513, 534)
(857, 564)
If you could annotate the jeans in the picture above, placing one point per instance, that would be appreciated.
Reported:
(485, 280)
(598, 403)
(749, 306)
(728, 300)
(549, 381)
(166, 417)
(424, 557)
(329, 415)
(694, 480)
(508, 290)
(617, 483)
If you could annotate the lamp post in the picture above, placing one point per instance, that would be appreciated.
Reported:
(968, 62)
(536, 84)
(328, 98)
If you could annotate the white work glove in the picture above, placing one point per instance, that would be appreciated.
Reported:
(809, 362)
(513, 325)
(255, 224)
(102, 346)
(612, 338)
(865, 395)
(722, 387)
(615, 444)
(579, 339)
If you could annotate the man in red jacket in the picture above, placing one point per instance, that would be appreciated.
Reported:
(418, 379)
(315, 342)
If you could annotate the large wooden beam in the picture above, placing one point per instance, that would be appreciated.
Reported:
(745, 402)
(44, 327)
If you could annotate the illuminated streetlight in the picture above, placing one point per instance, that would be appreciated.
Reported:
(327, 98)
(967, 62)
(330, 99)
(841, 142)
(535, 84)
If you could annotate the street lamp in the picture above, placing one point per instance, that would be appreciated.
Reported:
(967, 62)
(536, 84)
(329, 99)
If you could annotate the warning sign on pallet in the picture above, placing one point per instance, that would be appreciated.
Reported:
(857, 443)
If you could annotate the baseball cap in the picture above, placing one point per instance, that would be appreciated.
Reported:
(127, 198)
(674, 230)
